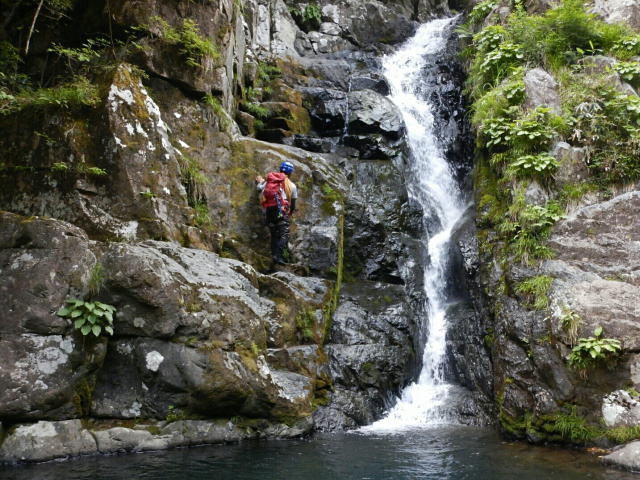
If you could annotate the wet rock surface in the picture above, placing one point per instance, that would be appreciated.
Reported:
(153, 189)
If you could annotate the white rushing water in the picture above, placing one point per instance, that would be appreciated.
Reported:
(432, 185)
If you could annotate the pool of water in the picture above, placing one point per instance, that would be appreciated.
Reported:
(445, 453)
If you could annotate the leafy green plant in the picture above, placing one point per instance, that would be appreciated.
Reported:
(593, 351)
(89, 317)
(308, 18)
(629, 71)
(59, 167)
(147, 194)
(480, 11)
(497, 62)
(497, 132)
(540, 165)
(90, 51)
(627, 47)
(536, 289)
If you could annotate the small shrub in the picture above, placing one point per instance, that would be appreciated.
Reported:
(89, 317)
(192, 178)
(192, 46)
(175, 414)
(620, 435)
(201, 217)
(219, 111)
(536, 289)
(572, 427)
(96, 279)
(593, 351)
(266, 72)
(255, 109)
(570, 322)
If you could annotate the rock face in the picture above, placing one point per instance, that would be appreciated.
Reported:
(627, 457)
(546, 318)
(145, 201)
(618, 11)
(541, 90)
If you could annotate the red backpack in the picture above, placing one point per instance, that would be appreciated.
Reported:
(273, 194)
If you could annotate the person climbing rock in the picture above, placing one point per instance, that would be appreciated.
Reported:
(278, 195)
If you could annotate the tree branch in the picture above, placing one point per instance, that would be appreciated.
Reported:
(33, 24)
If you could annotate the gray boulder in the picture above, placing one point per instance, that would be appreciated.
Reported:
(620, 409)
(43, 441)
(370, 112)
(573, 166)
(627, 457)
(541, 90)
(618, 11)
(597, 247)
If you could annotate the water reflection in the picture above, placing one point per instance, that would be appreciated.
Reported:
(455, 453)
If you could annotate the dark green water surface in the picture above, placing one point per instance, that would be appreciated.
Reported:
(446, 453)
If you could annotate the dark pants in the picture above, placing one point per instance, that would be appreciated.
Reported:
(278, 224)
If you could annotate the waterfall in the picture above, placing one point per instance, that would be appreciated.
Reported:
(432, 185)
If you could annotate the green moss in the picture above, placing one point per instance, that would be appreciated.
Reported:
(331, 302)
(82, 394)
(305, 323)
(329, 199)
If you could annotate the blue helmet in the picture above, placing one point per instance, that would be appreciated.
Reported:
(286, 167)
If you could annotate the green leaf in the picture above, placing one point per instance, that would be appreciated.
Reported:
(109, 316)
(92, 319)
(109, 330)
(79, 323)
(598, 331)
(76, 313)
(593, 353)
(85, 329)
(96, 330)
(63, 312)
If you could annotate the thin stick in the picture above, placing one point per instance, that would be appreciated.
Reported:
(33, 24)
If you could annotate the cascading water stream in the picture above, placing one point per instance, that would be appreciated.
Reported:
(432, 185)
